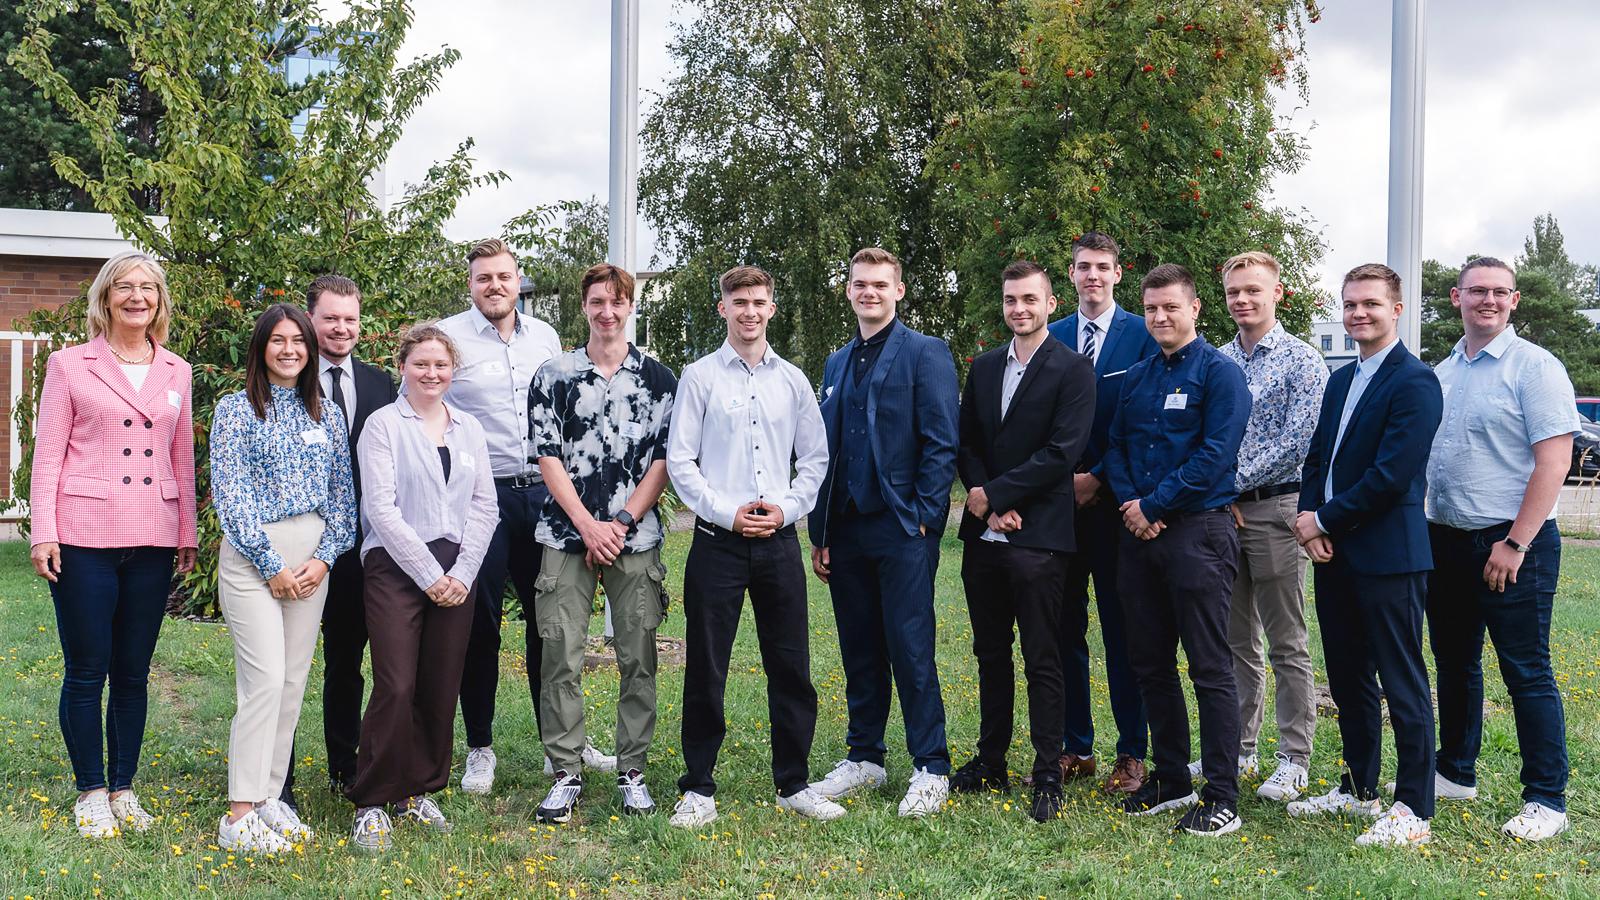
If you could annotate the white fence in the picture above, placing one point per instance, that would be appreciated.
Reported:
(21, 346)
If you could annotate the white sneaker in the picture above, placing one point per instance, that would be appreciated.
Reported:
(1335, 802)
(1536, 822)
(249, 834)
(562, 799)
(636, 799)
(95, 819)
(126, 810)
(1249, 766)
(848, 777)
(424, 811)
(479, 776)
(599, 762)
(282, 818)
(1287, 782)
(1443, 789)
(693, 811)
(1399, 827)
(926, 794)
(371, 831)
(812, 805)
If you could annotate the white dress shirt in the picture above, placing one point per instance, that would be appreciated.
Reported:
(1009, 382)
(347, 384)
(735, 430)
(1102, 323)
(492, 382)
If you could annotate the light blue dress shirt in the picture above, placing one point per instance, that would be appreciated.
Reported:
(1365, 369)
(1498, 403)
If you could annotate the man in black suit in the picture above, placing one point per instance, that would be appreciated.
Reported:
(1026, 415)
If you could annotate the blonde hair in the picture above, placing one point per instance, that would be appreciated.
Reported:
(99, 312)
(487, 248)
(421, 333)
(876, 256)
(1252, 258)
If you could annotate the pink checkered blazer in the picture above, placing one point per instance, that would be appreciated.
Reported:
(113, 467)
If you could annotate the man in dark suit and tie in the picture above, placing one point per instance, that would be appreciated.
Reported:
(1362, 522)
(1113, 339)
(1026, 414)
(890, 401)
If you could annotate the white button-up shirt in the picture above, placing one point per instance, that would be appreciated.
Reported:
(1009, 382)
(1102, 323)
(347, 385)
(735, 431)
(492, 382)
(1365, 369)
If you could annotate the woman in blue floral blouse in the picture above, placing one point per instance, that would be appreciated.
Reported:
(281, 485)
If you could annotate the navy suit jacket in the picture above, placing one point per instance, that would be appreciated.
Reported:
(1375, 516)
(1126, 342)
(913, 405)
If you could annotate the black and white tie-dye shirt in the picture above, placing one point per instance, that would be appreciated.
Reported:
(606, 432)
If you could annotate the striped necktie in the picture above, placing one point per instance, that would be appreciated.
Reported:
(1089, 329)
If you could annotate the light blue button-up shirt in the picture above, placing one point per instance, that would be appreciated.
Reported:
(1365, 369)
(1498, 403)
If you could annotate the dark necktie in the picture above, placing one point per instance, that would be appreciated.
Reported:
(1089, 328)
(338, 393)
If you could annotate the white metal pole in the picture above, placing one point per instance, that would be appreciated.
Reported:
(1407, 100)
(624, 138)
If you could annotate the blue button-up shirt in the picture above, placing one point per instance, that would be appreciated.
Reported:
(1174, 442)
(1498, 403)
(1286, 378)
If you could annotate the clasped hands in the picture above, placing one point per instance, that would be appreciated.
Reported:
(758, 519)
(298, 583)
(1133, 519)
(1003, 523)
(447, 591)
(1318, 545)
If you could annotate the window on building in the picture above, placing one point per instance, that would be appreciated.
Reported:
(1327, 343)
(1349, 342)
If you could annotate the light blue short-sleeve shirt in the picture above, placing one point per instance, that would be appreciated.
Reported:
(1509, 396)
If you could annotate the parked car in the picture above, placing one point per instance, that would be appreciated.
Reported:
(1586, 451)
(1589, 408)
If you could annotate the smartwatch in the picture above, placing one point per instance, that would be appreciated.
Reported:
(626, 518)
(1520, 548)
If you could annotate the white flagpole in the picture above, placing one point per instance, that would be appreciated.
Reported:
(1407, 101)
(624, 138)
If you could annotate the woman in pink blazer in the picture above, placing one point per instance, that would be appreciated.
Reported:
(113, 508)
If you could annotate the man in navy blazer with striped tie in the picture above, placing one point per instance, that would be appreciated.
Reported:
(1113, 339)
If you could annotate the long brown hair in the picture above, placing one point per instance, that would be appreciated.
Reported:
(256, 385)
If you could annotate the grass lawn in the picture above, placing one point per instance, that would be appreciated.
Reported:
(977, 848)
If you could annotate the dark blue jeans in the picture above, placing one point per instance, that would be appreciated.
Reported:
(514, 554)
(1460, 608)
(109, 606)
(1098, 529)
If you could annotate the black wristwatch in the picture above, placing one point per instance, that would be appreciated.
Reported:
(1519, 548)
(626, 518)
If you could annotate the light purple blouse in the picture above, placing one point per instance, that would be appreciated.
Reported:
(406, 502)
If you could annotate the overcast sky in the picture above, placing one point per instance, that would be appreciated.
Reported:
(1513, 126)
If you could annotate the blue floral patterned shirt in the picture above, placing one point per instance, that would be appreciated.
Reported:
(267, 471)
(1286, 377)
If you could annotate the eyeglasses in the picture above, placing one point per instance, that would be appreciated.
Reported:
(1479, 293)
(127, 288)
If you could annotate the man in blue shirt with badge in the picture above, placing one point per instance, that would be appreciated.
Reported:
(1172, 464)
(1499, 460)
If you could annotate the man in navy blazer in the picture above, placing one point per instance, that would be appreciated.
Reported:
(890, 402)
(1113, 339)
(1362, 521)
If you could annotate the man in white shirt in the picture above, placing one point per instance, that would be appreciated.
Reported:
(501, 349)
(742, 414)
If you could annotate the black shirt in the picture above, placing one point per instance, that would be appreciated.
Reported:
(867, 350)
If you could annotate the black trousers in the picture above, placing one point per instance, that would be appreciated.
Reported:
(721, 567)
(344, 642)
(1176, 589)
(1006, 584)
(513, 552)
(1371, 632)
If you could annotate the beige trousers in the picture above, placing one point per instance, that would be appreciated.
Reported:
(273, 642)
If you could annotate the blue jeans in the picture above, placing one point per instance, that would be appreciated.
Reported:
(109, 606)
(1460, 608)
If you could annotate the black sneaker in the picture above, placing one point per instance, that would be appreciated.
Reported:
(1153, 798)
(1211, 818)
(1046, 801)
(558, 804)
(978, 777)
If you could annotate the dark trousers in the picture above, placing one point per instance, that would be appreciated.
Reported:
(513, 552)
(417, 646)
(1006, 584)
(882, 589)
(1460, 608)
(1097, 529)
(1372, 631)
(109, 605)
(723, 565)
(1177, 588)
(344, 641)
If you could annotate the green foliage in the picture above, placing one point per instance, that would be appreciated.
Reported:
(556, 245)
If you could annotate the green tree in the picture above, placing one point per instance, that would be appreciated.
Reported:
(556, 245)
(1151, 122)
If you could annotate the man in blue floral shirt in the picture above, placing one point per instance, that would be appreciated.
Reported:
(1286, 377)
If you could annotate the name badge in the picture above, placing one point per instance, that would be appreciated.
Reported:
(1177, 401)
(314, 436)
(494, 368)
(175, 399)
(733, 403)
(632, 430)
(1255, 391)
(467, 461)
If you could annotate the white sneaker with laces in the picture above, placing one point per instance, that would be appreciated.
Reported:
(282, 818)
(848, 777)
(693, 811)
(95, 819)
(636, 799)
(1287, 782)
(597, 761)
(812, 805)
(1335, 802)
(1443, 789)
(126, 810)
(1536, 822)
(479, 775)
(926, 794)
(371, 831)
(1399, 827)
(424, 811)
(1249, 766)
(249, 834)
(562, 799)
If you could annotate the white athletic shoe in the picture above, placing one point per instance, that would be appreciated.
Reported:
(1287, 782)
(479, 776)
(636, 799)
(1249, 766)
(1399, 827)
(693, 811)
(1335, 802)
(1443, 789)
(848, 777)
(597, 761)
(95, 819)
(1536, 822)
(282, 818)
(250, 834)
(424, 811)
(126, 810)
(926, 795)
(812, 805)
(371, 831)
(562, 799)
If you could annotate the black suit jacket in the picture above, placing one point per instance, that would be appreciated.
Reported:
(375, 389)
(1025, 461)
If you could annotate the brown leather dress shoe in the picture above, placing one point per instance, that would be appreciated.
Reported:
(1074, 766)
(1127, 776)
